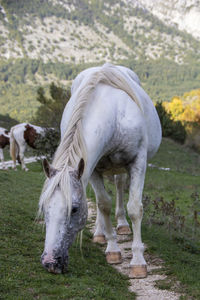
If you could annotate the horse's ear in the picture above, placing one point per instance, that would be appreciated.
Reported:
(49, 171)
(81, 166)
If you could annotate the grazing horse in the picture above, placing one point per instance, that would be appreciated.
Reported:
(22, 135)
(4, 140)
(109, 125)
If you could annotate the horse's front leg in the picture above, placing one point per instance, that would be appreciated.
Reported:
(104, 203)
(135, 211)
(120, 213)
(99, 234)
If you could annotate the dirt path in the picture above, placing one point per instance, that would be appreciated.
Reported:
(144, 288)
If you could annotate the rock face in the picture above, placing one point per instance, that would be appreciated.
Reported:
(185, 14)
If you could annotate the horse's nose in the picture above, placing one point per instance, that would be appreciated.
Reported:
(52, 268)
(57, 265)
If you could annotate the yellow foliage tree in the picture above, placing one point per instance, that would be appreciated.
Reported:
(187, 110)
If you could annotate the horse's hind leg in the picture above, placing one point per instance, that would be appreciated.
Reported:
(2, 158)
(120, 213)
(104, 203)
(135, 210)
(21, 155)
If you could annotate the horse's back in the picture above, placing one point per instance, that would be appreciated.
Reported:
(85, 73)
(107, 104)
(3, 130)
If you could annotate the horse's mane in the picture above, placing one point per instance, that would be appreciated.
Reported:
(72, 146)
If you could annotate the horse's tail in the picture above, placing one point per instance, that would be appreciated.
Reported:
(14, 148)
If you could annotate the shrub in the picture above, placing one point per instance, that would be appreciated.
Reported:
(47, 144)
(170, 128)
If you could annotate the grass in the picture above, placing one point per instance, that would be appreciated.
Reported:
(89, 277)
(22, 242)
(180, 253)
(180, 262)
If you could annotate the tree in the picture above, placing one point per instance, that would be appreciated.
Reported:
(50, 110)
(170, 128)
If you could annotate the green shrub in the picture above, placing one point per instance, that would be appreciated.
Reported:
(47, 144)
(170, 128)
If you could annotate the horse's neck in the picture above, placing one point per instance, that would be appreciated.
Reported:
(98, 130)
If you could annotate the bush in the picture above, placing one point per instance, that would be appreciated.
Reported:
(47, 144)
(170, 128)
(52, 106)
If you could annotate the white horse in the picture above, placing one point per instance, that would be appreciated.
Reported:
(109, 125)
(4, 141)
(22, 135)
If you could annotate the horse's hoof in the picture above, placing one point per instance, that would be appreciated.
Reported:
(99, 239)
(123, 230)
(138, 271)
(114, 257)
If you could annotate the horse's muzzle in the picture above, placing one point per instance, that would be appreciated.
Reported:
(57, 265)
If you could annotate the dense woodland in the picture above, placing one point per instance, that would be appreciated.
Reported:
(161, 79)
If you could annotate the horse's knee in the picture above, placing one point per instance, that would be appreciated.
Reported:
(105, 205)
(135, 211)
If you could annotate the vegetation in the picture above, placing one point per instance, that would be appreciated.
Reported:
(47, 144)
(185, 110)
(171, 222)
(52, 107)
(22, 239)
(170, 128)
(22, 243)
(161, 77)
(18, 97)
(7, 122)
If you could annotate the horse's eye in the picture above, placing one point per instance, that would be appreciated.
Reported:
(74, 209)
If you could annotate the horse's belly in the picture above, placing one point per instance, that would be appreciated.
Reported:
(113, 163)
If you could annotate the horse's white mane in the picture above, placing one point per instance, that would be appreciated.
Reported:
(72, 146)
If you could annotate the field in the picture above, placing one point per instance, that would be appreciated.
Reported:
(89, 277)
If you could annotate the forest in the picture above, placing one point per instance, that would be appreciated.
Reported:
(19, 81)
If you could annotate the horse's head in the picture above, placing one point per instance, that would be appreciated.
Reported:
(63, 220)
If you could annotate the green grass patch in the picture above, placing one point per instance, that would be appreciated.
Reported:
(89, 276)
(22, 243)
(180, 261)
(179, 250)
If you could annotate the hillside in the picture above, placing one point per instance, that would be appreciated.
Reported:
(184, 14)
(44, 41)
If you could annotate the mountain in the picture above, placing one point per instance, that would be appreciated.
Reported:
(184, 14)
(52, 40)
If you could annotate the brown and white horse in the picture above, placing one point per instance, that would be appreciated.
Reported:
(4, 140)
(22, 135)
